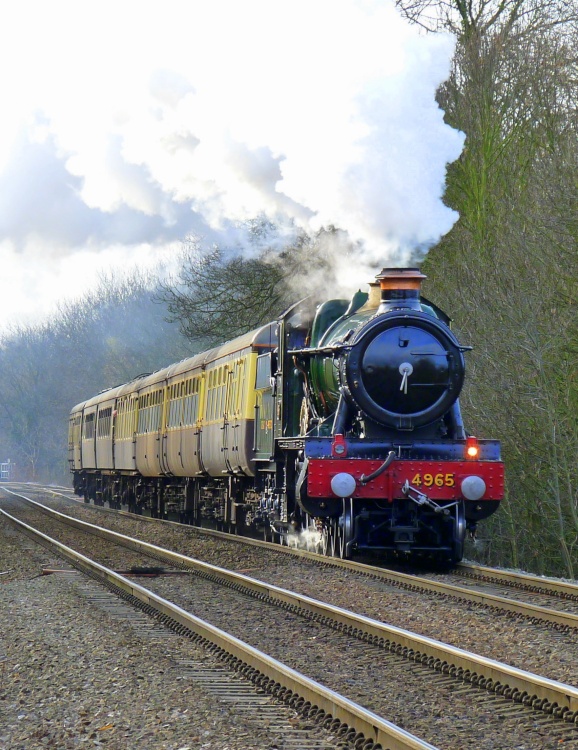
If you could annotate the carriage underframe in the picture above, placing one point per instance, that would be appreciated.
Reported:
(253, 506)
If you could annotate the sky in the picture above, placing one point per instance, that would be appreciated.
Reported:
(129, 126)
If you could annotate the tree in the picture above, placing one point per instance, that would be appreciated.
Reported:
(508, 269)
(221, 294)
(104, 339)
(484, 18)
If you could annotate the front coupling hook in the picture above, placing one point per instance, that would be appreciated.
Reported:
(420, 499)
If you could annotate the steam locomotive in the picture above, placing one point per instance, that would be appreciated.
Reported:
(341, 417)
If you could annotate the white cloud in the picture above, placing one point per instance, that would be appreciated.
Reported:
(130, 125)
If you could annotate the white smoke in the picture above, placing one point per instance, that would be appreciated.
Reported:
(132, 124)
(309, 539)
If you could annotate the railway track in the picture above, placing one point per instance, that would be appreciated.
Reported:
(338, 715)
(548, 602)
(565, 590)
(469, 674)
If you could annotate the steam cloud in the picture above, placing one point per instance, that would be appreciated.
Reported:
(127, 127)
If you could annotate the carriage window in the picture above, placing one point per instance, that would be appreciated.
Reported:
(89, 426)
(74, 430)
(265, 363)
(104, 422)
(126, 417)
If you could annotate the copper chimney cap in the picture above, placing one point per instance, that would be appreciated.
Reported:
(400, 278)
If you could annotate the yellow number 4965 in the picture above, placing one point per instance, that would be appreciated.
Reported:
(434, 480)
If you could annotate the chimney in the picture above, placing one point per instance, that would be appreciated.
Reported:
(374, 298)
(400, 289)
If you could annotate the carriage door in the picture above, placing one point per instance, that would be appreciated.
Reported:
(264, 406)
(224, 375)
(237, 457)
(163, 430)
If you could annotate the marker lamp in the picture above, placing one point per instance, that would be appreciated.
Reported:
(472, 448)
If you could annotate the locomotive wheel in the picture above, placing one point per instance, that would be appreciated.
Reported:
(333, 540)
(267, 534)
(313, 543)
(459, 533)
(345, 529)
(326, 538)
(329, 537)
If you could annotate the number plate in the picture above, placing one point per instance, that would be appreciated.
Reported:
(433, 480)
